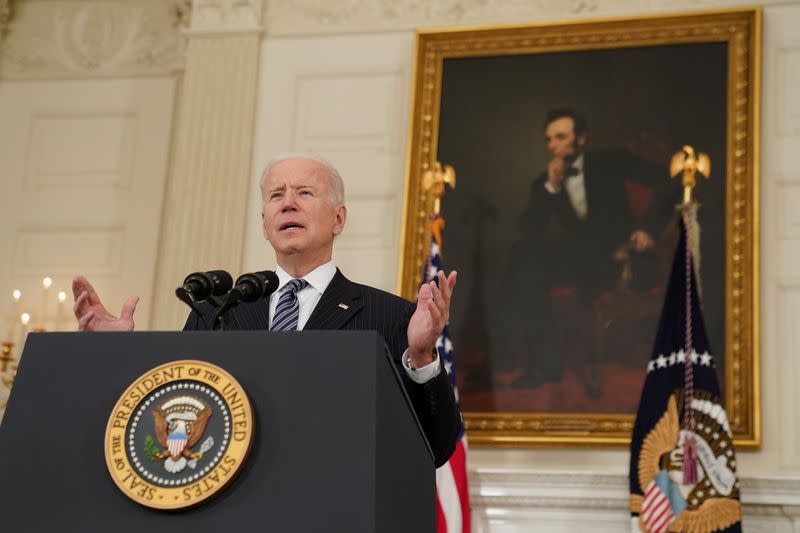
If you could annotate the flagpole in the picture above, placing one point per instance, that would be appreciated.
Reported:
(452, 487)
(688, 163)
(683, 465)
(433, 186)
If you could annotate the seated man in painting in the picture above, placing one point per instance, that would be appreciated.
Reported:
(578, 226)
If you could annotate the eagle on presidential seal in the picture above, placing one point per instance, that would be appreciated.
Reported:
(180, 423)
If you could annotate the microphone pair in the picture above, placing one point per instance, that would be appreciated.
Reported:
(202, 286)
(217, 287)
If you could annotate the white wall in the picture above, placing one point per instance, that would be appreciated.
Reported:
(84, 163)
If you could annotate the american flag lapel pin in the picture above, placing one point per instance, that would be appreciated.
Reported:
(343, 306)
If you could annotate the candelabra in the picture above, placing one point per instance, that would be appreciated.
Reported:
(44, 318)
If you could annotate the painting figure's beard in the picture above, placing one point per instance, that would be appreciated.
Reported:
(569, 160)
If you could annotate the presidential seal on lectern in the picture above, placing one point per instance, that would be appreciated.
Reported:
(178, 435)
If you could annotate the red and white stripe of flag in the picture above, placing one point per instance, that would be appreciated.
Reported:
(657, 513)
(452, 492)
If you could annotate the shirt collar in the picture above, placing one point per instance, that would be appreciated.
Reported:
(319, 278)
(578, 164)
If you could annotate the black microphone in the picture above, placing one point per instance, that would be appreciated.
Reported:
(200, 286)
(254, 285)
(249, 288)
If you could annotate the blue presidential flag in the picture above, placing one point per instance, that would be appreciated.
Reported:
(683, 465)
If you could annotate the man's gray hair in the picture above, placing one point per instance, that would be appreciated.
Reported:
(337, 185)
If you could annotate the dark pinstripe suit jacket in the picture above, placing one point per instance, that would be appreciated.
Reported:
(369, 309)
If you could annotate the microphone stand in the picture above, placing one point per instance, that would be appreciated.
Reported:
(187, 298)
(216, 302)
(231, 300)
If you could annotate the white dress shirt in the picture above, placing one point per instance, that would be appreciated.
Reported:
(576, 189)
(308, 297)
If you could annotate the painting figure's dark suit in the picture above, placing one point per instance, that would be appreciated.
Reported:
(565, 245)
(563, 262)
(368, 309)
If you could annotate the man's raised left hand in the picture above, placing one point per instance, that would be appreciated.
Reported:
(430, 317)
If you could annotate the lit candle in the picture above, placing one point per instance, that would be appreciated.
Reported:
(16, 296)
(24, 319)
(47, 282)
(62, 297)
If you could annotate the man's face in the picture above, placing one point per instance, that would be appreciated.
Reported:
(561, 140)
(298, 215)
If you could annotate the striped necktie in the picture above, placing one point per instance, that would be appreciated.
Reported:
(288, 309)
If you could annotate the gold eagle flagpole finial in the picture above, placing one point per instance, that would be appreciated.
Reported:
(688, 162)
(433, 186)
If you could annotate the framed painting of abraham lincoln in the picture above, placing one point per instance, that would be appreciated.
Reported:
(563, 223)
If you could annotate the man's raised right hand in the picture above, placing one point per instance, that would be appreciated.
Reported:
(92, 314)
(556, 170)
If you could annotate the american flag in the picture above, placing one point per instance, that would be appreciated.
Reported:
(452, 489)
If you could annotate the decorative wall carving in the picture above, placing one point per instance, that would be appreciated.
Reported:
(301, 16)
(226, 16)
(94, 39)
(582, 6)
(182, 11)
(5, 16)
(305, 17)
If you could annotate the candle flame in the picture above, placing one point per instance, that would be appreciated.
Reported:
(62, 297)
(25, 318)
(17, 294)
(47, 282)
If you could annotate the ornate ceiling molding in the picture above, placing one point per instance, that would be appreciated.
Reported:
(66, 39)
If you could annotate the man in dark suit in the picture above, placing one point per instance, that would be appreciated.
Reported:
(303, 212)
(577, 218)
(578, 209)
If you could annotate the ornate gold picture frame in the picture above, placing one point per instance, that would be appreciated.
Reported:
(645, 86)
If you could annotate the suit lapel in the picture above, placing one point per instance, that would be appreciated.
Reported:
(339, 303)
